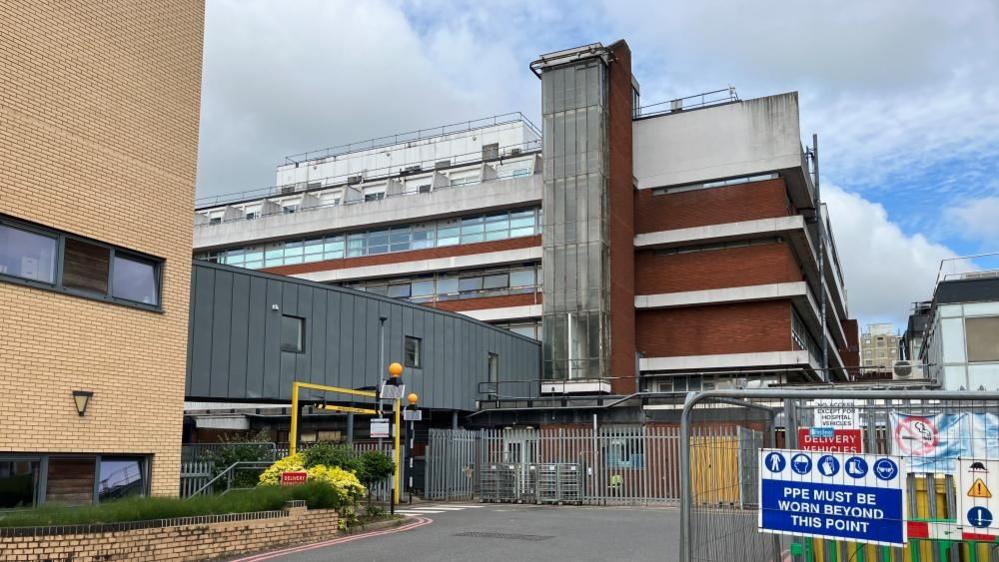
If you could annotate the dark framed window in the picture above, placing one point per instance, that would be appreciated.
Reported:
(414, 352)
(292, 334)
(19, 481)
(48, 258)
(121, 477)
(28, 254)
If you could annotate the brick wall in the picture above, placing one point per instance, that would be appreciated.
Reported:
(488, 302)
(718, 205)
(187, 541)
(414, 255)
(621, 221)
(706, 330)
(714, 269)
(99, 107)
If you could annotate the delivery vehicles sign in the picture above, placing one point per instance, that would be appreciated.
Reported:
(844, 496)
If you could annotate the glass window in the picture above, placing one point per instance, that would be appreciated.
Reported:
(85, 266)
(497, 227)
(471, 230)
(293, 249)
(522, 278)
(422, 236)
(423, 287)
(292, 334)
(378, 242)
(27, 255)
(414, 352)
(121, 477)
(355, 245)
(380, 289)
(447, 285)
(399, 291)
(399, 240)
(982, 334)
(468, 284)
(496, 281)
(18, 483)
(522, 223)
(493, 368)
(448, 233)
(135, 280)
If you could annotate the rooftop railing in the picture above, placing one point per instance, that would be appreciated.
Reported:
(412, 136)
(705, 99)
(377, 174)
(977, 266)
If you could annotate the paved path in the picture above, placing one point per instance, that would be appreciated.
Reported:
(510, 532)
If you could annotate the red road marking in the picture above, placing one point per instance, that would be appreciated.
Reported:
(349, 538)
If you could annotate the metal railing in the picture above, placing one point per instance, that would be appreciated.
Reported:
(223, 482)
(412, 136)
(371, 175)
(977, 266)
(704, 99)
(719, 524)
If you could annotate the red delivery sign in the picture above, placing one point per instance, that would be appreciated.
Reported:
(840, 440)
(293, 478)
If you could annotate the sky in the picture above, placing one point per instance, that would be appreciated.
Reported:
(904, 95)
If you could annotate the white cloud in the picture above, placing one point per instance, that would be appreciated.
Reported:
(976, 219)
(885, 269)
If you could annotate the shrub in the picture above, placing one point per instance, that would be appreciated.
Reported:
(291, 463)
(328, 454)
(240, 449)
(375, 467)
(317, 495)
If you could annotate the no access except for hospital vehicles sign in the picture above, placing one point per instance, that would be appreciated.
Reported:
(845, 496)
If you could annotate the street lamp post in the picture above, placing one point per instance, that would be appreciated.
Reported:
(411, 436)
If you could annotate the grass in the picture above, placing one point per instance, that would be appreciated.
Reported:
(317, 495)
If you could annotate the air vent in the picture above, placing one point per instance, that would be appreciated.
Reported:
(314, 185)
(285, 189)
(425, 188)
(354, 180)
(441, 164)
(412, 169)
(516, 151)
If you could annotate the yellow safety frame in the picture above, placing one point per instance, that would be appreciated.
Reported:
(293, 433)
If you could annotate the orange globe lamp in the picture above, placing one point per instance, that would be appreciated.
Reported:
(395, 369)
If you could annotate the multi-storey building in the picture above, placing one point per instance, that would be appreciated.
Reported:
(879, 348)
(649, 249)
(98, 154)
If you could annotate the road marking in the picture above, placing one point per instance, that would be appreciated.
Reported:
(462, 506)
(349, 538)
(412, 511)
(444, 507)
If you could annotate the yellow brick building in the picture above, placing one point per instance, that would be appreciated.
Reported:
(99, 108)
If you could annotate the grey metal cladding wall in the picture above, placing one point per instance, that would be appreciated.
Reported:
(235, 341)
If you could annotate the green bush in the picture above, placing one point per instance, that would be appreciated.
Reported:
(375, 467)
(317, 495)
(329, 454)
(240, 449)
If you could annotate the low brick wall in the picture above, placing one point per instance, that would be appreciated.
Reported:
(185, 539)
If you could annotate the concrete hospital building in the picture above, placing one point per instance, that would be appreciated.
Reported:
(664, 248)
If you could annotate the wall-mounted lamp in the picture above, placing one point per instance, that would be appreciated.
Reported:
(82, 399)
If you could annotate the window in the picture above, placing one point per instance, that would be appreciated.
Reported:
(414, 352)
(290, 209)
(497, 281)
(374, 196)
(215, 220)
(19, 482)
(292, 334)
(135, 280)
(982, 335)
(492, 374)
(251, 215)
(121, 477)
(85, 266)
(27, 255)
(399, 291)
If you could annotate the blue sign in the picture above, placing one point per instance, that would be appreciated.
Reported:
(775, 462)
(801, 464)
(885, 469)
(980, 517)
(856, 467)
(828, 465)
(833, 495)
(823, 432)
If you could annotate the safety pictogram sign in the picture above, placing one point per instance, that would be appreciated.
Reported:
(916, 435)
(979, 490)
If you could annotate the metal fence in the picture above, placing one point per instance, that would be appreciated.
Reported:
(715, 527)
(619, 464)
(201, 462)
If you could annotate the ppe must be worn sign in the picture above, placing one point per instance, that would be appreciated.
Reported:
(846, 496)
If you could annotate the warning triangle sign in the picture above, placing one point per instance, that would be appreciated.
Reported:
(979, 490)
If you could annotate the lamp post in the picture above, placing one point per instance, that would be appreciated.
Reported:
(410, 439)
(395, 371)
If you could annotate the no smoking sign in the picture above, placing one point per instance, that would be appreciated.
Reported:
(916, 436)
